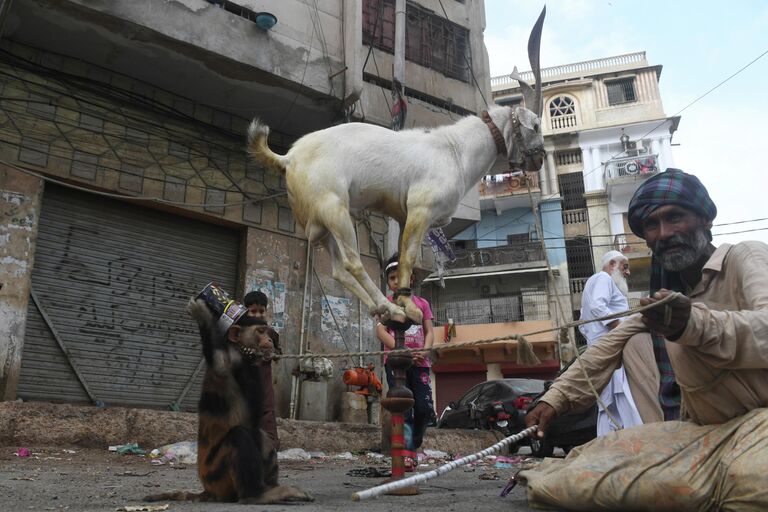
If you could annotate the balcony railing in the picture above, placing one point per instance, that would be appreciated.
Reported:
(568, 157)
(565, 122)
(524, 252)
(575, 216)
(632, 166)
(577, 284)
(586, 67)
(516, 307)
(508, 185)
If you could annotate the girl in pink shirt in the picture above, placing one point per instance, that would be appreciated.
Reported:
(417, 376)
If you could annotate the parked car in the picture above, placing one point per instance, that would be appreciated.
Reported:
(564, 431)
(494, 404)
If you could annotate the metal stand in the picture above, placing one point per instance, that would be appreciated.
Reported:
(399, 399)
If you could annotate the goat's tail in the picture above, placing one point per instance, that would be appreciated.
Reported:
(259, 149)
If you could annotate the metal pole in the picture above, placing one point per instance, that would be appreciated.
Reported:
(360, 330)
(392, 487)
(398, 64)
(399, 399)
(307, 289)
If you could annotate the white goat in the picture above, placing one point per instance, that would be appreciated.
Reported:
(415, 176)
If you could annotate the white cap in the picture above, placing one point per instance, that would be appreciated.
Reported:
(610, 256)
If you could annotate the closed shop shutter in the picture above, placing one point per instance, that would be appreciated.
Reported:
(112, 279)
(450, 386)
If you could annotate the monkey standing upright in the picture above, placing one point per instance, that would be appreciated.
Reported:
(236, 461)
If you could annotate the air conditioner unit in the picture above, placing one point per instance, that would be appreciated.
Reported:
(634, 148)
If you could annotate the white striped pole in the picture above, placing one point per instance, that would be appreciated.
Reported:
(445, 468)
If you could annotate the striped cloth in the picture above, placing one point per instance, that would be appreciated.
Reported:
(672, 187)
(669, 391)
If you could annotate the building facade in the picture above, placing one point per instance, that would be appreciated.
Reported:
(126, 188)
(605, 132)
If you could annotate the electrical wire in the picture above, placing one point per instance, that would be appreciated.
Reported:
(135, 198)
(466, 59)
(696, 100)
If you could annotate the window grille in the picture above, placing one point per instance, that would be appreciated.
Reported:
(572, 190)
(562, 113)
(379, 24)
(518, 238)
(561, 106)
(621, 91)
(430, 40)
(578, 253)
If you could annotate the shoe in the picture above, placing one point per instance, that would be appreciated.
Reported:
(410, 461)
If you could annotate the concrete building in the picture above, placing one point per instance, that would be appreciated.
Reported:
(605, 132)
(126, 189)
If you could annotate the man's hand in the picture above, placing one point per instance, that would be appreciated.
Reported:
(670, 319)
(418, 357)
(540, 415)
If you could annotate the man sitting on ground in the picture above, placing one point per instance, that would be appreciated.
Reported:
(715, 338)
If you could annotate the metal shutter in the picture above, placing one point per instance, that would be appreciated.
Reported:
(451, 385)
(114, 280)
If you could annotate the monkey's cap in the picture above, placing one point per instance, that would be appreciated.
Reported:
(223, 307)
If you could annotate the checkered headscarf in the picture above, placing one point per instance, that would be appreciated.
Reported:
(670, 187)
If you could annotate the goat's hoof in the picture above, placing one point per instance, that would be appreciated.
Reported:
(414, 314)
(391, 312)
(412, 311)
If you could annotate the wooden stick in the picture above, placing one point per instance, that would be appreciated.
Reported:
(445, 468)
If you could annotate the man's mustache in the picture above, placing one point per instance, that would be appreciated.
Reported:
(675, 240)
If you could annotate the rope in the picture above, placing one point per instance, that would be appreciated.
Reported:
(463, 344)
(445, 468)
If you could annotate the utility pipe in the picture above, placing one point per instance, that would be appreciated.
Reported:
(307, 289)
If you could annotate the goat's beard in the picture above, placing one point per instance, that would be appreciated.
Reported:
(679, 252)
(620, 281)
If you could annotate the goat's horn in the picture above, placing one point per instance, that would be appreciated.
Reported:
(528, 94)
(534, 50)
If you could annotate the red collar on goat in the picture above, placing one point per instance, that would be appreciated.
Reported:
(498, 138)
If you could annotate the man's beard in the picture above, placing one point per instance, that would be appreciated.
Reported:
(681, 251)
(620, 281)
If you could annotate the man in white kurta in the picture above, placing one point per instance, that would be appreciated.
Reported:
(606, 293)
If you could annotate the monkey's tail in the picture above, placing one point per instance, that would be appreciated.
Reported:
(258, 133)
(179, 496)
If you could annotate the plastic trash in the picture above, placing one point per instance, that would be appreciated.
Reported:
(293, 454)
(345, 456)
(435, 454)
(129, 448)
(23, 452)
(184, 452)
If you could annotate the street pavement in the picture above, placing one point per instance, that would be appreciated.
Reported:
(97, 480)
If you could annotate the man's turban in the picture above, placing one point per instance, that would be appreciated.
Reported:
(667, 188)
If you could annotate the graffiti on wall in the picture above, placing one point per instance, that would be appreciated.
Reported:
(17, 217)
(264, 280)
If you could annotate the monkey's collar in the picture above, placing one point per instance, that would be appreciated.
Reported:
(254, 357)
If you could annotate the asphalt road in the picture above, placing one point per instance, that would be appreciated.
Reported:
(53, 479)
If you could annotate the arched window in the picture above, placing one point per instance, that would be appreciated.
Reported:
(562, 112)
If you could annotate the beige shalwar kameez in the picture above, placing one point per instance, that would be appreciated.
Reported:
(716, 461)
